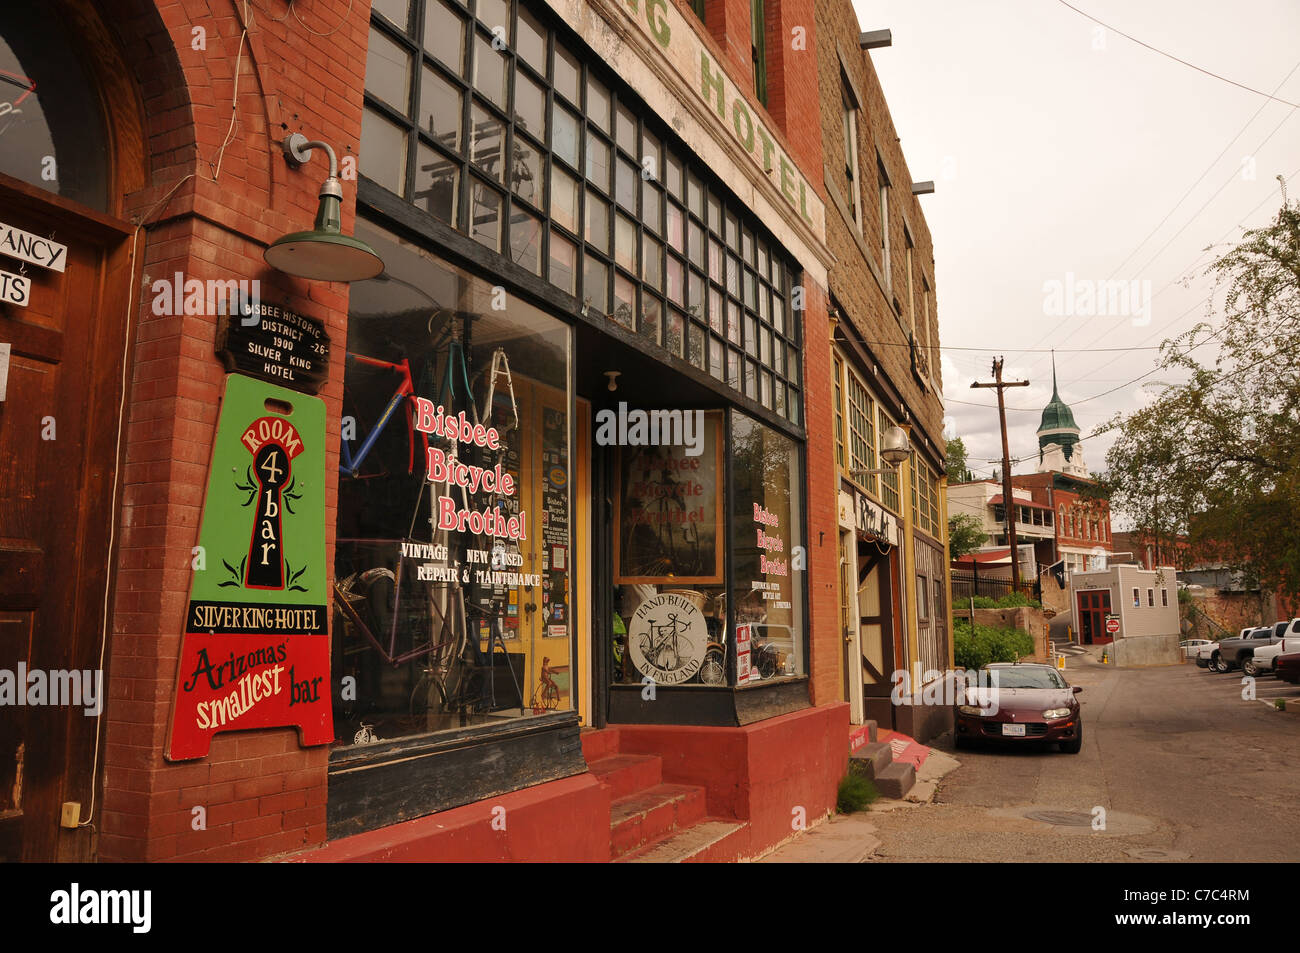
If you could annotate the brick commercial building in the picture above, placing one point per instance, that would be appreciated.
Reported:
(509, 487)
(893, 524)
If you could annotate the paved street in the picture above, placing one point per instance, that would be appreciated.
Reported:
(1182, 766)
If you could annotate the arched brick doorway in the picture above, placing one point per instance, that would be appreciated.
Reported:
(74, 164)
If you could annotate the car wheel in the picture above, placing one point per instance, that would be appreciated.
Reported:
(1073, 747)
(960, 742)
(1248, 667)
(1219, 664)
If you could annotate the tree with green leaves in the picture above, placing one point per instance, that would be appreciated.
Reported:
(965, 535)
(955, 457)
(1216, 458)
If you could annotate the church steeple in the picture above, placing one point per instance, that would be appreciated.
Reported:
(1058, 426)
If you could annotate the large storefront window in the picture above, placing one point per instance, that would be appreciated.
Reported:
(669, 560)
(767, 542)
(672, 621)
(489, 120)
(453, 602)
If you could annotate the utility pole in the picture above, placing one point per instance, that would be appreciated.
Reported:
(1008, 501)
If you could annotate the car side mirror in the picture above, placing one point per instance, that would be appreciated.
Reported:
(1076, 689)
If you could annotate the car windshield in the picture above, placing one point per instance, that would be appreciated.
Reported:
(1028, 678)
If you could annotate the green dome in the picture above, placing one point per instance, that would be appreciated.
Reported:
(1056, 415)
(1057, 425)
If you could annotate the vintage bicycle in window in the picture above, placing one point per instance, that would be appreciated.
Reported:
(442, 627)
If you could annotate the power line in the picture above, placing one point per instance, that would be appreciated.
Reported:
(1084, 400)
(1189, 191)
(1015, 350)
(1173, 281)
(1155, 49)
(1201, 178)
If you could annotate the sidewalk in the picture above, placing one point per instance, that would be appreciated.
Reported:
(850, 838)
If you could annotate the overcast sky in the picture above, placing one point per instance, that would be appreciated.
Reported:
(1057, 148)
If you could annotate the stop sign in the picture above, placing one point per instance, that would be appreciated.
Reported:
(1112, 626)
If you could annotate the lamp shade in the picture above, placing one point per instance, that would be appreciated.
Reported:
(325, 253)
(324, 256)
(894, 446)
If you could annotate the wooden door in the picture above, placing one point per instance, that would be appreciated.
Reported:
(58, 456)
(876, 638)
(1093, 607)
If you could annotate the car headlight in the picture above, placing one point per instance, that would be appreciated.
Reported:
(970, 709)
(1056, 713)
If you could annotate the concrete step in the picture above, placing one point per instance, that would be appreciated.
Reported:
(626, 774)
(896, 779)
(713, 840)
(642, 818)
(871, 759)
(599, 743)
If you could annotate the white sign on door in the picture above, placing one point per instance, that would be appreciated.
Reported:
(32, 249)
(15, 289)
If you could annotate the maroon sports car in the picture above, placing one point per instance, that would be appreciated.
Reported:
(1019, 702)
(1287, 668)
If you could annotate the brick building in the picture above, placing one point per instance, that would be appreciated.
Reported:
(893, 581)
(581, 208)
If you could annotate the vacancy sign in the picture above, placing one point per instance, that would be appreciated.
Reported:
(30, 249)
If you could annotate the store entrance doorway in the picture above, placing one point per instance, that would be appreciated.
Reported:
(876, 629)
(58, 461)
(1093, 607)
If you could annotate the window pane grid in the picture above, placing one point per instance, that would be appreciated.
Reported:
(544, 159)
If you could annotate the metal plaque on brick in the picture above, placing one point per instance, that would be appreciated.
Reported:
(255, 652)
(272, 343)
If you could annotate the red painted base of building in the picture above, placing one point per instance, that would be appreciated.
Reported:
(652, 792)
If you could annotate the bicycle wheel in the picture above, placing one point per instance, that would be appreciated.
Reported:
(713, 671)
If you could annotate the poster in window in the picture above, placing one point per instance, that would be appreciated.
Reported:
(668, 513)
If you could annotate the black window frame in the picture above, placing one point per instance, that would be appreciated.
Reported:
(752, 345)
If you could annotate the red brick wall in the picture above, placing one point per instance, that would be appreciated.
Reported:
(823, 505)
(262, 793)
(728, 22)
(1083, 510)
(791, 113)
(792, 91)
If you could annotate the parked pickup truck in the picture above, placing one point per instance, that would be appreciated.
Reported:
(1265, 657)
(1204, 653)
(1233, 653)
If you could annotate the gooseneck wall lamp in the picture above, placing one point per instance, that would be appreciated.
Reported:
(324, 253)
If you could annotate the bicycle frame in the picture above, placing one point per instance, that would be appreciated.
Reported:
(404, 394)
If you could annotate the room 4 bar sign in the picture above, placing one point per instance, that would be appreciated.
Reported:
(255, 652)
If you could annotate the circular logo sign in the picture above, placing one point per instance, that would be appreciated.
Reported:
(667, 637)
